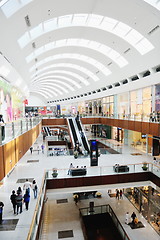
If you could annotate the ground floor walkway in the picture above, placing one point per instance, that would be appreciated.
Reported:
(32, 166)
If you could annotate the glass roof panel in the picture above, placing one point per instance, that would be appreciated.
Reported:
(50, 25)
(133, 37)
(92, 20)
(75, 75)
(39, 51)
(79, 19)
(108, 24)
(59, 77)
(121, 29)
(64, 20)
(11, 7)
(69, 65)
(37, 31)
(144, 46)
(24, 40)
(83, 43)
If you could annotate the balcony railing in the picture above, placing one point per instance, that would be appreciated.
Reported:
(105, 209)
(16, 128)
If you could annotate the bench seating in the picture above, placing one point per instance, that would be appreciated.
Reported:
(123, 168)
(78, 171)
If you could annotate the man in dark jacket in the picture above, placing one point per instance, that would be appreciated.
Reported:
(13, 201)
(1, 211)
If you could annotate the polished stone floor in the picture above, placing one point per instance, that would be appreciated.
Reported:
(58, 221)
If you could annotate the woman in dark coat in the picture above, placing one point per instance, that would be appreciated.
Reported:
(26, 198)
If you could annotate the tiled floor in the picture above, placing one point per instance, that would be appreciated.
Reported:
(58, 221)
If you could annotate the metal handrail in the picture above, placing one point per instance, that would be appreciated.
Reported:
(108, 210)
(38, 205)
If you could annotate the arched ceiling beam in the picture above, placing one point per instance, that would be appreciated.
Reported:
(40, 85)
(79, 42)
(122, 30)
(75, 75)
(48, 91)
(52, 90)
(43, 93)
(74, 56)
(52, 81)
(59, 77)
(69, 65)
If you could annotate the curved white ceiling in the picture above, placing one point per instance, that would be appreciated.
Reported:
(101, 67)
(97, 46)
(76, 47)
(122, 30)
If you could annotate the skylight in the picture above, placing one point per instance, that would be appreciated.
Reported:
(111, 25)
(69, 65)
(52, 81)
(59, 77)
(107, 51)
(81, 79)
(154, 3)
(54, 87)
(11, 7)
(80, 57)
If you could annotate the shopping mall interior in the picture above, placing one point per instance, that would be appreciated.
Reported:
(80, 119)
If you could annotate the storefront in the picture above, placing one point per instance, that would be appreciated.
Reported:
(147, 201)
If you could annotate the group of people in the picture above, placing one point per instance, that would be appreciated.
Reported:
(133, 217)
(18, 197)
(119, 194)
(38, 149)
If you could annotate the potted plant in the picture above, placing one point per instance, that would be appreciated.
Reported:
(98, 194)
(145, 167)
(54, 173)
(76, 198)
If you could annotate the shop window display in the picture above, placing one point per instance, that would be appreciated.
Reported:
(147, 202)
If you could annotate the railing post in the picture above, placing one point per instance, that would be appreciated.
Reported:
(26, 124)
(30, 122)
(13, 133)
(0, 135)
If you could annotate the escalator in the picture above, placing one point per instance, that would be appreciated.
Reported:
(72, 128)
(83, 137)
(47, 131)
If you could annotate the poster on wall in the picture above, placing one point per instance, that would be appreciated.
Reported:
(157, 98)
(11, 104)
(5, 100)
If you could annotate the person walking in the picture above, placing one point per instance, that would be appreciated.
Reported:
(42, 147)
(70, 167)
(26, 198)
(31, 149)
(27, 185)
(127, 218)
(19, 200)
(13, 201)
(35, 188)
(121, 194)
(117, 194)
(2, 124)
(19, 190)
(133, 216)
(1, 211)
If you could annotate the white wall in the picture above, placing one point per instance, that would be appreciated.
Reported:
(35, 101)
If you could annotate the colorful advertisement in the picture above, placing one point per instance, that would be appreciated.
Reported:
(11, 104)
